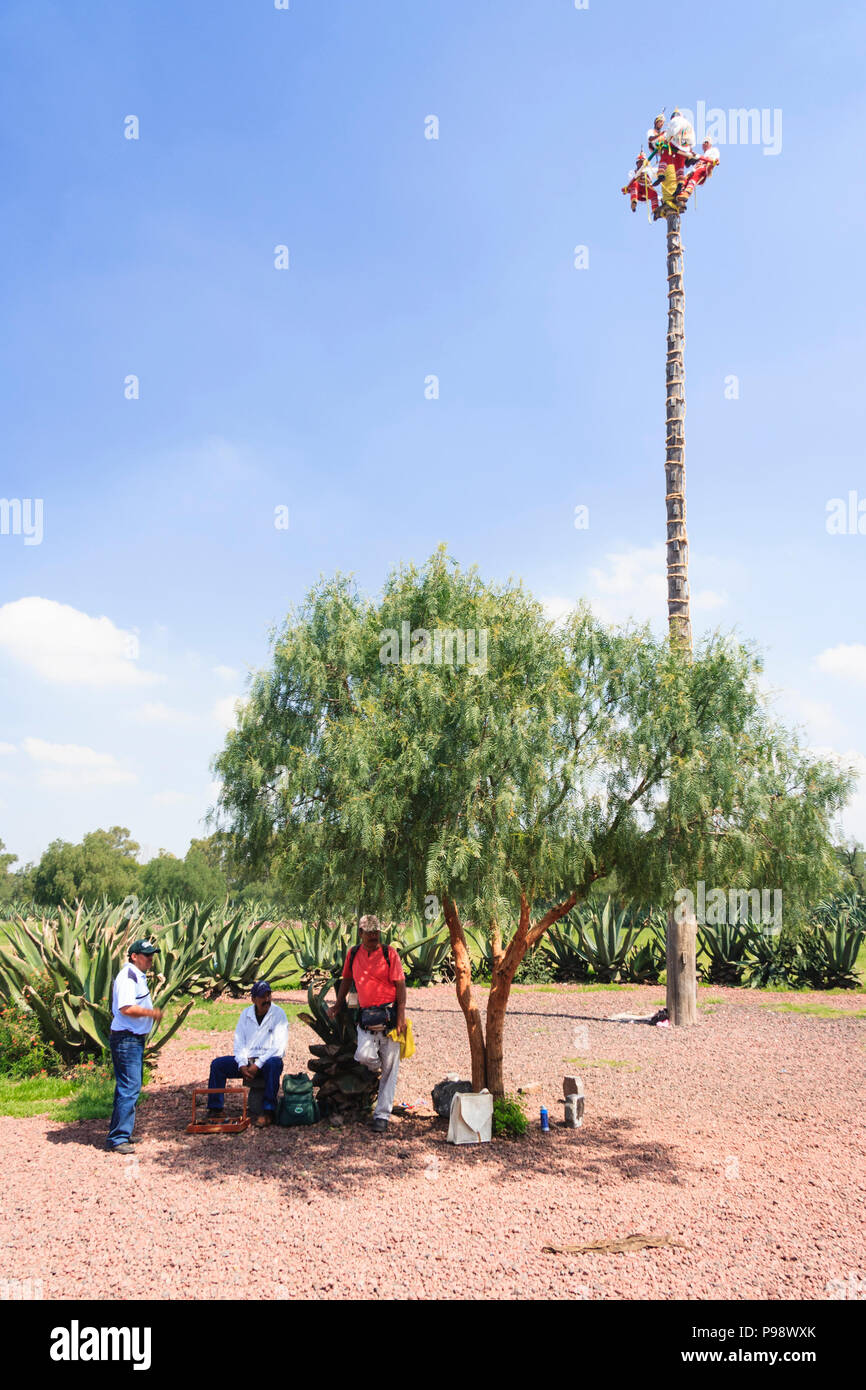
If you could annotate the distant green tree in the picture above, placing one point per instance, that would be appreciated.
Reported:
(102, 865)
(853, 861)
(192, 879)
(372, 778)
(8, 882)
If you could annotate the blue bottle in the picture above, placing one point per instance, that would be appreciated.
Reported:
(545, 1120)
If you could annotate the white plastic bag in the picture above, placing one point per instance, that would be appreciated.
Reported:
(470, 1120)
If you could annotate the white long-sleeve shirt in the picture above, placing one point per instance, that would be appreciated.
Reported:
(261, 1040)
(710, 156)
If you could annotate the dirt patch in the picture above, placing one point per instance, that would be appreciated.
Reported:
(741, 1139)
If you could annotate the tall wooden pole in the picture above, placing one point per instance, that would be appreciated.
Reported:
(682, 1003)
(679, 617)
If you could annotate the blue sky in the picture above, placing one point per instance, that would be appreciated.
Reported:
(127, 633)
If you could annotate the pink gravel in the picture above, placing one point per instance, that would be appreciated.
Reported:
(742, 1138)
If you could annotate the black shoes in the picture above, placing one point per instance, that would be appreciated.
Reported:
(125, 1148)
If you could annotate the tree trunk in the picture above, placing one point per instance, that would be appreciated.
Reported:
(504, 970)
(465, 998)
(682, 1004)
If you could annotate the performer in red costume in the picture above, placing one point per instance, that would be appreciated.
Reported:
(639, 184)
(704, 164)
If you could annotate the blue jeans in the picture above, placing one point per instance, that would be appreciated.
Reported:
(127, 1056)
(223, 1069)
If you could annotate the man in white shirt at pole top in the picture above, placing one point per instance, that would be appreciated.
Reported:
(261, 1038)
(132, 1017)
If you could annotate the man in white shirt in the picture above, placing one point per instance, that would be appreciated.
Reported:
(261, 1038)
(132, 1017)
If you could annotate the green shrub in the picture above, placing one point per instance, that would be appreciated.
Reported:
(509, 1118)
(536, 968)
(23, 1050)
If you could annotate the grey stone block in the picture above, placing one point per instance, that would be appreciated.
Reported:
(573, 1111)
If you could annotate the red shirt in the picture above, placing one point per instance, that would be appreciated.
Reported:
(375, 981)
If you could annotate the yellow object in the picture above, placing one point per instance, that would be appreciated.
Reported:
(406, 1040)
(669, 183)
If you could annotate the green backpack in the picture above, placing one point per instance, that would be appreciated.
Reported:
(298, 1105)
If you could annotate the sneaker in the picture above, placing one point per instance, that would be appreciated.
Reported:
(379, 1126)
(125, 1148)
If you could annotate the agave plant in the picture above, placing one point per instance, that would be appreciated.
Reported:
(480, 945)
(606, 938)
(239, 949)
(772, 958)
(425, 950)
(830, 954)
(562, 945)
(318, 952)
(79, 952)
(726, 947)
(343, 1086)
(649, 957)
(847, 907)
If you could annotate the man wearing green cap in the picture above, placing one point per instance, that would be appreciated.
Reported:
(132, 1017)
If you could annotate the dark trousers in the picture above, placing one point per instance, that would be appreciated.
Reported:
(127, 1056)
(223, 1069)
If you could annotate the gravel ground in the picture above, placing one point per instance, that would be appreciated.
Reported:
(742, 1138)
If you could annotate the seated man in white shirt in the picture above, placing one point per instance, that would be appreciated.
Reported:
(260, 1041)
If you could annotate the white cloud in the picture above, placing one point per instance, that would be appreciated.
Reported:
(557, 608)
(849, 662)
(225, 673)
(73, 765)
(6, 748)
(170, 798)
(62, 644)
(226, 709)
(708, 598)
(159, 713)
(632, 585)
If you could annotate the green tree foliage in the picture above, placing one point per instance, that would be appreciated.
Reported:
(102, 866)
(576, 752)
(13, 885)
(192, 879)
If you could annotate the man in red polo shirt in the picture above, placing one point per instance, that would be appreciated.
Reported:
(376, 973)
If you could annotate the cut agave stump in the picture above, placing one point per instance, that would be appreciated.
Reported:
(343, 1087)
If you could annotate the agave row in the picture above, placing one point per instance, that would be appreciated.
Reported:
(61, 967)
